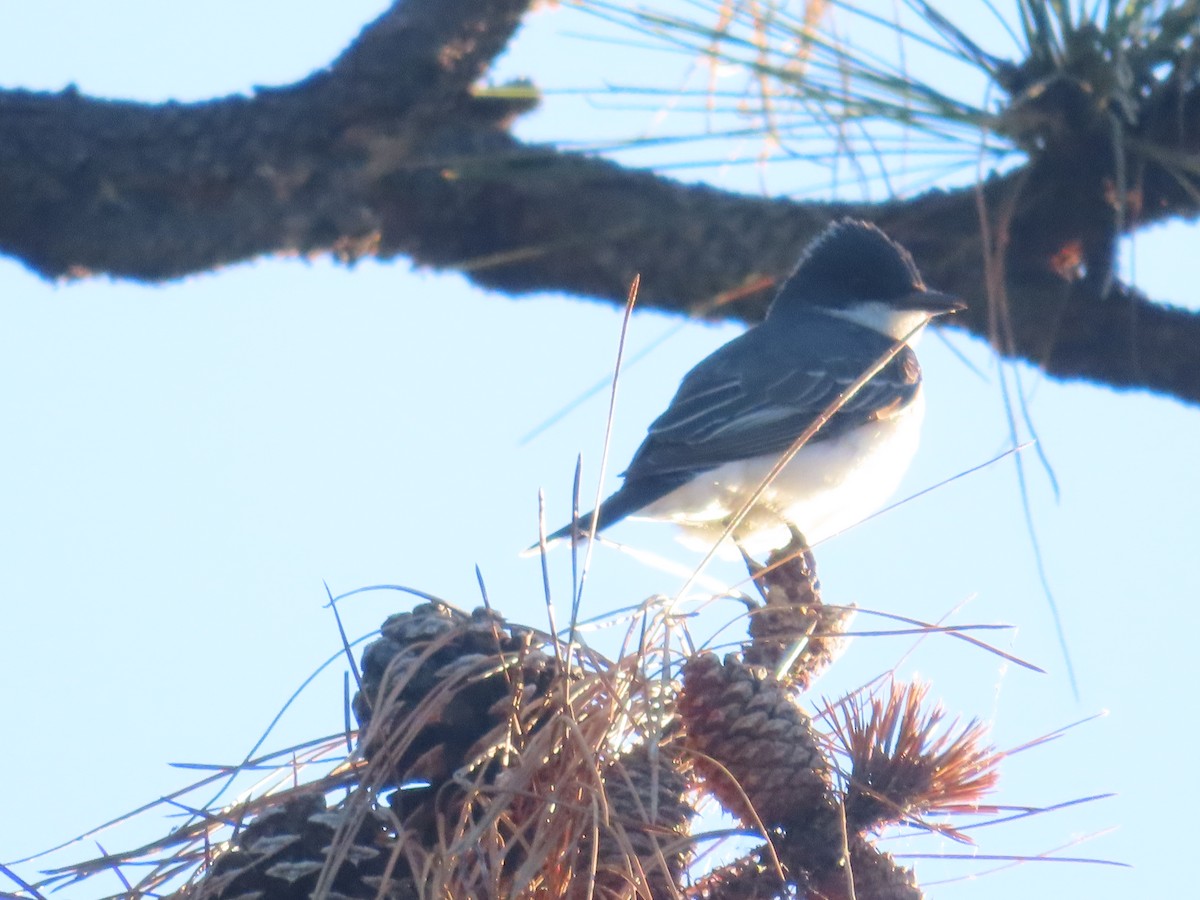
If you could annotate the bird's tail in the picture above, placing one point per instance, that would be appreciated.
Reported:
(609, 512)
(631, 497)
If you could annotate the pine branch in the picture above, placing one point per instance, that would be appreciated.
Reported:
(390, 153)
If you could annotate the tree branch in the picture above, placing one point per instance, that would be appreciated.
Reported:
(389, 153)
(156, 192)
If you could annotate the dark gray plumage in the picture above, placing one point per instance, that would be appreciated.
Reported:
(755, 395)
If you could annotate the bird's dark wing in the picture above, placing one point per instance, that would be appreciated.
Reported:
(754, 397)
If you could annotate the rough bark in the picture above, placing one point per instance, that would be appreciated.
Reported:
(389, 153)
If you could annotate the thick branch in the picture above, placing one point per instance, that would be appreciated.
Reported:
(388, 153)
(155, 192)
(563, 223)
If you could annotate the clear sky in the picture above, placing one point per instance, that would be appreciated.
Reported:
(183, 465)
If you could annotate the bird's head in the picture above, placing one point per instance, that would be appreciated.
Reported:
(854, 271)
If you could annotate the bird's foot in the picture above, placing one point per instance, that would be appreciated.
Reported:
(798, 543)
(755, 569)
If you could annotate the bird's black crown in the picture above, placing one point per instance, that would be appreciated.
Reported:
(850, 261)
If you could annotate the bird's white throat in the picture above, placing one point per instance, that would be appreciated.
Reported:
(898, 324)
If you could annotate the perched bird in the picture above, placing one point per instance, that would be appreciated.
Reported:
(854, 294)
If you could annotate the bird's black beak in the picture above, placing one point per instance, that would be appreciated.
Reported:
(933, 302)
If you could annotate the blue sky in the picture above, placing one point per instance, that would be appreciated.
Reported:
(185, 464)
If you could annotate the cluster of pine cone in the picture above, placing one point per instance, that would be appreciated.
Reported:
(487, 776)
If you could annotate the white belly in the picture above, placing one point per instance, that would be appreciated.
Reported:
(827, 487)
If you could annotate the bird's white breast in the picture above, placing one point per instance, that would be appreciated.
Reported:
(828, 486)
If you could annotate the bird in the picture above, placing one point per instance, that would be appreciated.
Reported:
(854, 295)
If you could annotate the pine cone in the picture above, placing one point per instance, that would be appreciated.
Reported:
(876, 876)
(439, 687)
(756, 750)
(794, 622)
(283, 854)
(648, 815)
(748, 878)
